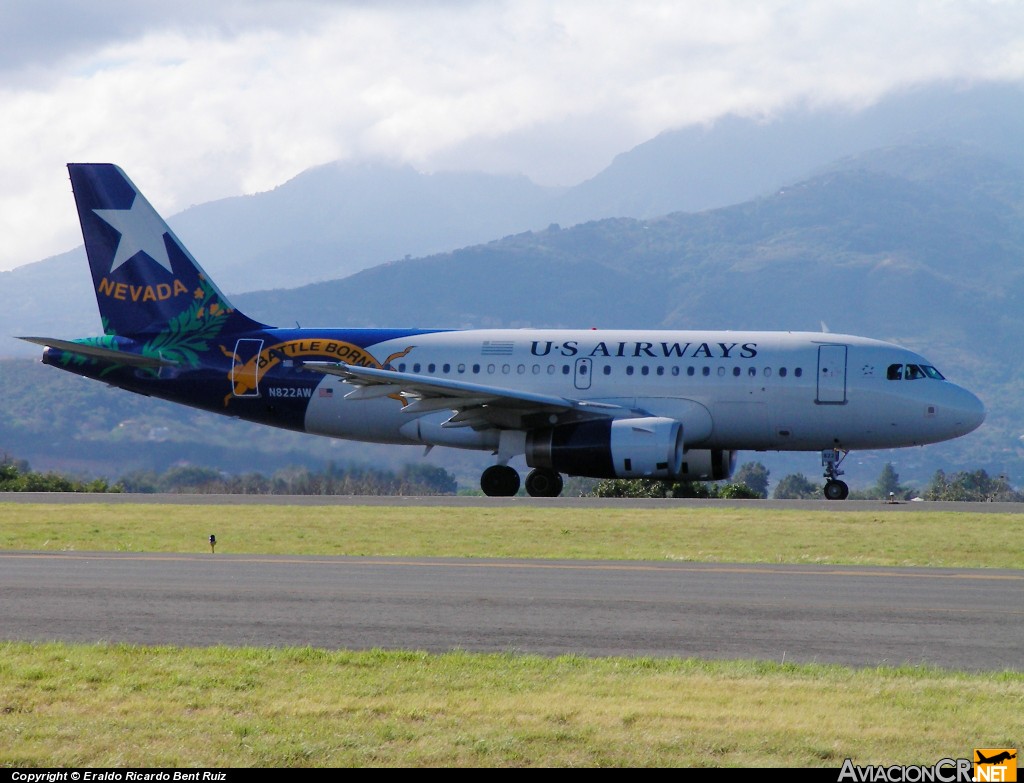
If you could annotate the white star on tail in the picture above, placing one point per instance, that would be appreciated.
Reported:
(141, 228)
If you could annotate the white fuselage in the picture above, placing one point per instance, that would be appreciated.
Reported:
(788, 391)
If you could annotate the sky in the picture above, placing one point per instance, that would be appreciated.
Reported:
(199, 100)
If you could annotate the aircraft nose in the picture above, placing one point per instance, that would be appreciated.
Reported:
(968, 411)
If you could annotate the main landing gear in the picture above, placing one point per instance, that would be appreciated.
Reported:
(499, 481)
(834, 488)
(503, 481)
(543, 483)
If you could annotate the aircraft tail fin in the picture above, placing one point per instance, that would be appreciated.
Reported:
(146, 281)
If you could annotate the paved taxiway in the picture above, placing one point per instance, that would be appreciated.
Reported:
(963, 619)
(479, 501)
(969, 619)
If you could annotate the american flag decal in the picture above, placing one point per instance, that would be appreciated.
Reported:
(497, 347)
(328, 392)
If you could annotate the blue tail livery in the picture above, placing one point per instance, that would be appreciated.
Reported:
(671, 405)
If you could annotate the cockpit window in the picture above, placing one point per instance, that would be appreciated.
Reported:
(912, 372)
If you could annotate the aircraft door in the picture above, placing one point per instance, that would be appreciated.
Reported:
(245, 376)
(831, 374)
(583, 371)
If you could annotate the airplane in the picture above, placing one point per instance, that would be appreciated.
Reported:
(665, 405)
(1003, 756)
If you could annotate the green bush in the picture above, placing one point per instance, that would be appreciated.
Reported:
(15, 476)
(653, 488)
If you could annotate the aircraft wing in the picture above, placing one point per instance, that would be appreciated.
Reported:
(474, 404)
(98, 352)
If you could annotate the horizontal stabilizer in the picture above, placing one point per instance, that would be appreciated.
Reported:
(98, 352)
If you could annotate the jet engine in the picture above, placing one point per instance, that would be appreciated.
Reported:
(648, 447)
(707, 465)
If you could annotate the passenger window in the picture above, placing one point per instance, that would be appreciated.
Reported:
(895, 372)
(629, 369)
(782, 372)
(607, 369)
(705, 371)
(798, 372)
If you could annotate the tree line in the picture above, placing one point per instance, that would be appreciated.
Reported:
(420, 479)
(750, 481)
(977, 486)
(967, 486)
(16, 476)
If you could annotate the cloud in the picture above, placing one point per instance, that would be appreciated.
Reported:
(200, 100)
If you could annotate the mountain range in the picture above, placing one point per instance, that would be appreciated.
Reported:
(902, 222)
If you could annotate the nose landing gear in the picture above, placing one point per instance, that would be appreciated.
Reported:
(834, 488)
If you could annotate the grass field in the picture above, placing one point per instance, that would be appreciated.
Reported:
(122, 706)
(941, 539)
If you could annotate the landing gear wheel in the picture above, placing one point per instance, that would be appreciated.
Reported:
(499, 481)
(836, 490)
(543, 483)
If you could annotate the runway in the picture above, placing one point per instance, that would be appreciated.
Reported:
(480, 501)
(960, 619)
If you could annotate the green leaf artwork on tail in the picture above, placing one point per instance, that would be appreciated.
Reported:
(106, 341)
(186, 335)
(189, 333)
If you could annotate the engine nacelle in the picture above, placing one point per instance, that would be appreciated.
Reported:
(707, 465)
(649, 447)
